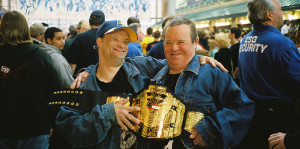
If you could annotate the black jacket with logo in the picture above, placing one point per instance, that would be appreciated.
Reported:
(27, 77)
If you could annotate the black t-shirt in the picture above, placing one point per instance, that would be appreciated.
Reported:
(224, 57)
(119, 84)
(150, 45)
(171, 81)
(177, 144)
(234, 49)
(82, 51)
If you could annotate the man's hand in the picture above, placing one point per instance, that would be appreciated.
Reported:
(123, 115)
(198, 140)
(80, 77)
(50, 132)
(212, 62)
(276, 141)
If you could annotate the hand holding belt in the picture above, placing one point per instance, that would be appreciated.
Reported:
(162, 114)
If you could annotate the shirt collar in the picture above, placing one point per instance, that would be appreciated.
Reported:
(263, 27)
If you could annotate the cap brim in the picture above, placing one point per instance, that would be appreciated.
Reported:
(131, 33)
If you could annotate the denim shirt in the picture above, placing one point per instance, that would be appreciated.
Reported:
(228, 111)
(99, 129)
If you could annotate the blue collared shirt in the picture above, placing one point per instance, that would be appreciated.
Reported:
(134, 49)
(269, 65)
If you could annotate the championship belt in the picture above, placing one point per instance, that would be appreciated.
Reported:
(192, 118)
(161, 114)
(83, 100)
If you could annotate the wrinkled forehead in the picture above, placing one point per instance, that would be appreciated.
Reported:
(178, 31)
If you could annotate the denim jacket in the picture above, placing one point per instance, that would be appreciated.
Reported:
(228, 111)
(99, 129)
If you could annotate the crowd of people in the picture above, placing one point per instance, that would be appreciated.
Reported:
(249, 101)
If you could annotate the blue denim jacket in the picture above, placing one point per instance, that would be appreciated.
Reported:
(99, 129)
(228, 111)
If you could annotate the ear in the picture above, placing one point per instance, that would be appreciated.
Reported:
(269, 15)
(99, 41)
(197, 40)
(49, 41)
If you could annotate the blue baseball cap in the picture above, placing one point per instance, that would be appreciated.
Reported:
(111, 26)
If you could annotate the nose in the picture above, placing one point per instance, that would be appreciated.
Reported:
(120, 44)
(174, 47)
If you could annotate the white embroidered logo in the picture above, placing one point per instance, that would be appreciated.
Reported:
(5, 69)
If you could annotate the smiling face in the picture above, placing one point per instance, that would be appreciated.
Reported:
(179, 48)
(113, 47)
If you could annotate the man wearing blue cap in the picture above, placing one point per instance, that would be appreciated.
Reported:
(101, 128)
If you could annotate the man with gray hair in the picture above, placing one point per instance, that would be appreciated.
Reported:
(269, 75)
(37, 31)
(135, 48)
(83, 26)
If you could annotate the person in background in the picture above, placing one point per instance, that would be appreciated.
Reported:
(213, 49)
(286, 28)
(147, 39)
(45, 25)
(132, 19)
(83, 26)
(27, 77)
(135, 48)
(298, 38)
(55, 43)
(234, 35)
(37, 31)
(203, 39)
(223, 55)
(292, 34)
(157, 51)
(69, 41)
(82, 52)
(156, 36)
(270, 76)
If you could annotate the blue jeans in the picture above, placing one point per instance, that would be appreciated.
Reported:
(39, 142)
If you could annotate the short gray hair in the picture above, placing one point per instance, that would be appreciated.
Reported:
(257, 10)
(178, 20)
(134, 26)
(36, 28)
